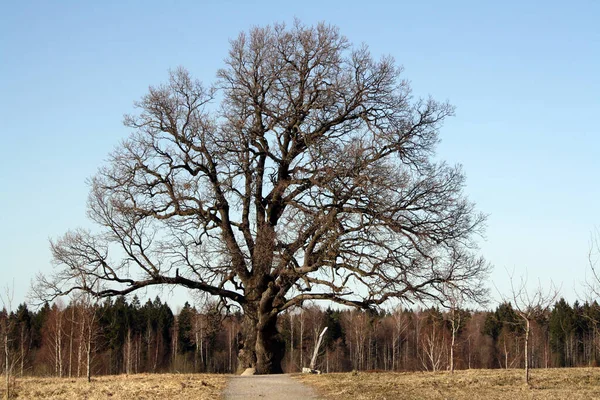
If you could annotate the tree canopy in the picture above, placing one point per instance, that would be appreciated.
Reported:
(305, 172)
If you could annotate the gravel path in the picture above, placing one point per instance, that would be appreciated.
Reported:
(267, 387)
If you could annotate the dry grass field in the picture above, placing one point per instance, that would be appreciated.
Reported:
(547, 384)
(551, 384)
(142, 386)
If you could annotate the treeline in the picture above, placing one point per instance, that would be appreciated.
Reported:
(117, 336)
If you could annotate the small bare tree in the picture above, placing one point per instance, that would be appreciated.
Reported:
(591, 287)
(90, 329)
(455, 303)
(592, 283)
(454, 300)
(88, 324)
(433, 341)
(455, 297)
(11, 359)
(530, 305)
(401, 323)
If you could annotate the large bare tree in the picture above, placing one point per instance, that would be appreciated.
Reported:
(306, 172)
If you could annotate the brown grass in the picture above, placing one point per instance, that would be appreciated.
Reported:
(551, 384)
(572, 383)
(142, 386)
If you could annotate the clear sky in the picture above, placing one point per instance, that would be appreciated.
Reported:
(524, 76)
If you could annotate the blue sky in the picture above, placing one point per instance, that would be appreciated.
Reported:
(524, 77)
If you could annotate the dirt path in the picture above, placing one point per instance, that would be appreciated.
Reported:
(267, 387)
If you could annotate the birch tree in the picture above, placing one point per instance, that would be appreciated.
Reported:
(531, 304)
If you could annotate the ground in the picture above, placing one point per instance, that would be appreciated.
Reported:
(267, 387)
(141, 386)
(551, 384)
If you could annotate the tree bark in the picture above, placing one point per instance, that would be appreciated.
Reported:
(80, 346)
(6, 366)
(229, 344)
(263, 347)
(527, 326)
(452, 350)
(158, 344)
(22, 357)
(128, 352)
(291, 343)
(196, 352)
(270, 348)
(302, 339)
(72, 322)
(89, 356)
(247, 351)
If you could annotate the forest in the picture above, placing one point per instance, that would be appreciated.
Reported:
(118, 336)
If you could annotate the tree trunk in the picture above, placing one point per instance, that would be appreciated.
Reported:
(505, 355)
(229, 344)
(247, 352)
(22, 357)
(80, 346)
(526, 351)
(174, 345)
(158, 344)
(455, 325)
(452, 352)
(71, 341)
(6, 361)
(58, 345)
(394, 343)
(89, 357)
(202, 348)
(128, 352)
(196, 353)
(301, 338)
(269, 346)
(469, 352)
(263, 348)
(291, 369)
